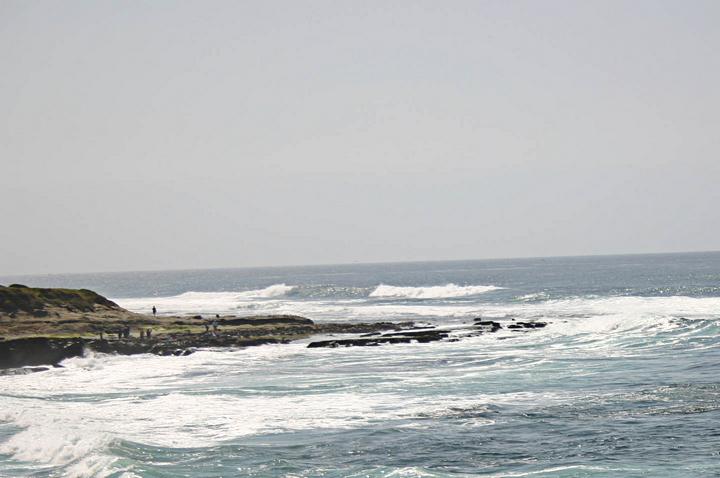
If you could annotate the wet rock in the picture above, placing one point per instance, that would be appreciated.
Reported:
(391, 338)
(359, 342)
(436, 334)
(38, 351)
(527, 325)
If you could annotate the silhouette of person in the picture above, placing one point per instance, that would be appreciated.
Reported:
(154, 311)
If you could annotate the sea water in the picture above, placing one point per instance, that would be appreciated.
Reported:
(623, 382)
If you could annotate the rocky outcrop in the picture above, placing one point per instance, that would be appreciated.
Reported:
(407, 334)
(26, 352)
(527, 325)
(403, 337)
(51, 351)
(38, 351)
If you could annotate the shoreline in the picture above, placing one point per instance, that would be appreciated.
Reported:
(178, 337)
(43, 327)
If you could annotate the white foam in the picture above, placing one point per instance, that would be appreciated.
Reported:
(592, 314)
(214, 396)
(554, 470)
(51, 441)
(204, 302)
(447, 291)
(606, 314)
(200, 400)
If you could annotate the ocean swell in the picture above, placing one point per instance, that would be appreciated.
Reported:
(447, 291)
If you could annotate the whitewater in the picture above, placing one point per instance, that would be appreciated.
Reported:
(623, 382)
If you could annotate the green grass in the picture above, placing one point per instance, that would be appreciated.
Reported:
(19, 298)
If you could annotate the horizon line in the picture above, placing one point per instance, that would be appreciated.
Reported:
(343, 264)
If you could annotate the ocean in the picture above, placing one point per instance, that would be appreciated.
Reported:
(623, 382)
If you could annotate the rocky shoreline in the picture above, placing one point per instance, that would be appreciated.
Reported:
(50, 351)
(34, 351)
(43, 327)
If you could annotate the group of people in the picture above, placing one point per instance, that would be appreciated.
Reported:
(124, 333)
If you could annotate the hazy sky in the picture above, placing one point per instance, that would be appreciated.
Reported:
(156, 135)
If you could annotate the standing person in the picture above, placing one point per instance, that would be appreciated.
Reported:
(215, 327)
(154, 311)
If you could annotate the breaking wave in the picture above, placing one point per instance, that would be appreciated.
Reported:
(447, 291)
(203, 302)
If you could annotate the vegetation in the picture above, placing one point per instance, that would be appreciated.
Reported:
(20, 298)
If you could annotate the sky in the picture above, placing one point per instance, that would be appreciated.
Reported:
(178, 135)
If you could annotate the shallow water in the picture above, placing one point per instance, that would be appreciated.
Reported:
(622, 383)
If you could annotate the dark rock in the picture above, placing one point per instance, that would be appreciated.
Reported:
(399, 338)
(527, 325)
(38, 351)
(420, 333)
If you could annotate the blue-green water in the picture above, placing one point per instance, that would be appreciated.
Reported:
(623, 382)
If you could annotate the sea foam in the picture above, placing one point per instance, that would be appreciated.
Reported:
(204, 302)
(447, 291)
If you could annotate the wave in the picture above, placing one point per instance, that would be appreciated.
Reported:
(447, 291)
(204, 302)
(275, 290)
(80, 454)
